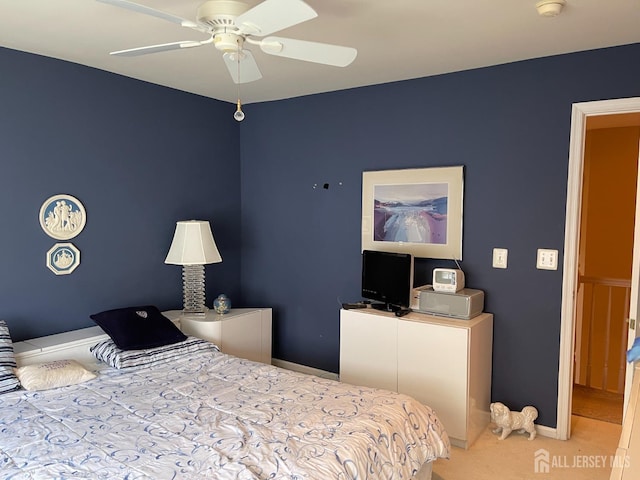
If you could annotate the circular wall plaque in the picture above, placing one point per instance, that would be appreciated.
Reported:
(62, 217)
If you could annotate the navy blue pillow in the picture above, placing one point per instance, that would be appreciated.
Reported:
(138, 328)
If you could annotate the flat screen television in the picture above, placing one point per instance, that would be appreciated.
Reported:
(387, 277)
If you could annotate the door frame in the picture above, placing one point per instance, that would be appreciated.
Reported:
(579, 114)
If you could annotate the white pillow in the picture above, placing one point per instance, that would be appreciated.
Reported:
(42, 376)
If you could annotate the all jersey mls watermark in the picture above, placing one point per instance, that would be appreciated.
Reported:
(544, 462)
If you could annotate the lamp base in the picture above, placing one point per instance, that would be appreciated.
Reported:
(193, 290)
(197, 314)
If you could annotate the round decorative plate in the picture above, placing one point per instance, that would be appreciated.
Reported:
(63, 258)
(62, 217)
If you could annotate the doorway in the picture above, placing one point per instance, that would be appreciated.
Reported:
(610, 167)
(609, 110)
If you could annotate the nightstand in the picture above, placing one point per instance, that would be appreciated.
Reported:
(243, 332)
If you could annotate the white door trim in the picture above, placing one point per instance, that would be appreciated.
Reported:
(579, 114)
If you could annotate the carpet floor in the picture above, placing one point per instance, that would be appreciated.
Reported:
(597, 404)
(587, 455)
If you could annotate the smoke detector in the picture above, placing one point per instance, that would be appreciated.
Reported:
(550, 8)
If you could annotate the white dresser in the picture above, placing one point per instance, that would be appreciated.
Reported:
(444, 363)
(243, 332)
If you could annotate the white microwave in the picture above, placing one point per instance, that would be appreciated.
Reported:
(449, 280)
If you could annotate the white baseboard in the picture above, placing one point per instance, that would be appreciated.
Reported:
(547, 431)
(296, 367)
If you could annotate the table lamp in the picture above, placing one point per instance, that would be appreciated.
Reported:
(193, 247)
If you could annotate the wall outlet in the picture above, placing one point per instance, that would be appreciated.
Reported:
(547, 259)
(500, 257)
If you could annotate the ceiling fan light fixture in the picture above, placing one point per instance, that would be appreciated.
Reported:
(230, 24)
(228, 42)
(550, 8)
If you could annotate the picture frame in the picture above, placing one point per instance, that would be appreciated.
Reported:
(417, 211)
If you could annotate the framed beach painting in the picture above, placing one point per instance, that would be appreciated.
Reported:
(417, 211)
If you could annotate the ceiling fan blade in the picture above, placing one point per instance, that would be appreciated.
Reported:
(247, 69)
(324, 53)
(271, 16)
(164, 47)
(136, 7)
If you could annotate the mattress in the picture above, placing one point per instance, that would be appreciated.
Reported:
(211, 415)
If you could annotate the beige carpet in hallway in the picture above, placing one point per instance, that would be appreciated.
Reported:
(586, 456)
(597, 404)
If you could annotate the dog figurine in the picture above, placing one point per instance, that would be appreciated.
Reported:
(508, 421)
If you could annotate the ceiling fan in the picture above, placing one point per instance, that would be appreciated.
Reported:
(231, 24)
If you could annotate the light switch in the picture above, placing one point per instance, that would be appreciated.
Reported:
(547, 259)
(500, 257)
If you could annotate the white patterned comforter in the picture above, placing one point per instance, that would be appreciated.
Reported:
(210, 415)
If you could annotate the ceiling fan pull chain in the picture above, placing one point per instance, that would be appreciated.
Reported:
(239, 114)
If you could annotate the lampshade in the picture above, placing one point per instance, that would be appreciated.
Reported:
(193, 244)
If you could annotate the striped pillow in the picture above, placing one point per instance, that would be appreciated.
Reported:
(107, 352)
(8, 380)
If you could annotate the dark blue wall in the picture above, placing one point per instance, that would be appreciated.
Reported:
(508, 125)
(139, 157)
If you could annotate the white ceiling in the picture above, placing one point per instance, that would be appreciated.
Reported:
(395, 39)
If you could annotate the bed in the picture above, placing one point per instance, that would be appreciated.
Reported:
(198, 413)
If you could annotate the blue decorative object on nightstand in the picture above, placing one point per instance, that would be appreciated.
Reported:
(222, 304)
